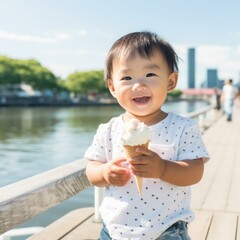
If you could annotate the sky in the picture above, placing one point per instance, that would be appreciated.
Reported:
(75, 35)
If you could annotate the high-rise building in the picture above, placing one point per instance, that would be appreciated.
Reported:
(212, 78)
(191, 68)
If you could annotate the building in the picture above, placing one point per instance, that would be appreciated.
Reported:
(212, 78)
(191, 68)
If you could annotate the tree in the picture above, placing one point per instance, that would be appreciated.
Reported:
(15, 71)
(87, 82)
(7, 73)
(175, 93)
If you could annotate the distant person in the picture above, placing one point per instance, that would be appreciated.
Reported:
(141, 69)
(217, 99)
(229, 93)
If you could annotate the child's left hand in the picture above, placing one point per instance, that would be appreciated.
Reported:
(148, 165)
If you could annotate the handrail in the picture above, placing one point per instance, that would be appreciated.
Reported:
(199, 112)
(27, 198)
(20, 232)
(205, 116)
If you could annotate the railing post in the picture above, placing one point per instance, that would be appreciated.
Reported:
(201, 121)
(98, 197)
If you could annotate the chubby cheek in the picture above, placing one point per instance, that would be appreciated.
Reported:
(122, 97)
(160, 96)
(121, 90)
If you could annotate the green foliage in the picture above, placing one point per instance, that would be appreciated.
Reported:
(31, 72)
(87, 82)
(175, 93)
(15, 71)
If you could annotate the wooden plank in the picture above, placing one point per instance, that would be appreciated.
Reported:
(25, 199)
(86, 231)
(64, 225)
(201, 189)
(238, 229)
(234, 193)
(198, 229)
(220, 184)
(223, 227)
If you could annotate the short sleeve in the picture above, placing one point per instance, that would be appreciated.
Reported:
(97, 150)
(191, 145)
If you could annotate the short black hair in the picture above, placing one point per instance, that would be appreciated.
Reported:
(144, 44)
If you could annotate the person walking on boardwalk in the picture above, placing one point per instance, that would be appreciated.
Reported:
(229, 93)
(141, 69)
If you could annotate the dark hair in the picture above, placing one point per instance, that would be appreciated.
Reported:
(143, 43)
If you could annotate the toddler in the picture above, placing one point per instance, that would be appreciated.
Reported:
(141, 69)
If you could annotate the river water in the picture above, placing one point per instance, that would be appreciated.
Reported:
(34, 140)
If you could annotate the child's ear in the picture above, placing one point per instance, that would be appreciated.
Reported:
(172, 81)
(111, 87)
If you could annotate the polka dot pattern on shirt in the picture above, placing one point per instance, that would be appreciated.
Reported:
(124, 211)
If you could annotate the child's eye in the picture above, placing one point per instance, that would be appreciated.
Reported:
(151, 75)
(126, 78)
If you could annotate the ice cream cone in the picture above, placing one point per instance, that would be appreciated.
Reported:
(131, 153)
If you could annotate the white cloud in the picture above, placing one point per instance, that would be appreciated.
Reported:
(74, 52)
(224, 58)
(212, 56)
(81, 32)
(52, 37)
(47, 37)
(57, 36)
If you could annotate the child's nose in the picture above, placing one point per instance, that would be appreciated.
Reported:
(138, 86)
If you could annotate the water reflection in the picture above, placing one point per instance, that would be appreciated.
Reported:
(33, 140)
(89, 118)
(25, 122)
(37, 122)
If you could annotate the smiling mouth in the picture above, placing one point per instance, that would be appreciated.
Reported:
(141, 100)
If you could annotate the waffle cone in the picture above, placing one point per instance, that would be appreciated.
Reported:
(131, 153)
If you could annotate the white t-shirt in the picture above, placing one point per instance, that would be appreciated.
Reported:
(229, 92)
(128, 215)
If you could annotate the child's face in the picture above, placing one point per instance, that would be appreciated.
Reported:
(141, 84)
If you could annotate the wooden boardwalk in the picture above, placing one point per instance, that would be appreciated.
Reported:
(216, 199)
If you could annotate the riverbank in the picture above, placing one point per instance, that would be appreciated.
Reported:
(41, 102)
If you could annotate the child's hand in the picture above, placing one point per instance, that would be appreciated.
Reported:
(115, 174)
(148, 165)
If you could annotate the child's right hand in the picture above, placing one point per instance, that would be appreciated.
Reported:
(115, 174)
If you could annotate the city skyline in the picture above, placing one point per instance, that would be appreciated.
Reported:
(76, 35)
